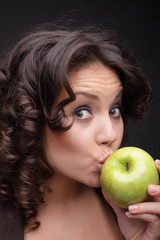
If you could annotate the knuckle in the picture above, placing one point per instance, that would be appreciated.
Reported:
(156, 199)
(156, 221)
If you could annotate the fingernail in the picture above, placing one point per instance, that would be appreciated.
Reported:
(153, 189)
(158, 162)
(133, 208)
(128, 214)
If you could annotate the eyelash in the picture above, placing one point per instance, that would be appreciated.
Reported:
(80, 109)
(88, 109)
(117, 106)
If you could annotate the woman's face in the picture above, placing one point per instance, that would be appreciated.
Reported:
(97, 130)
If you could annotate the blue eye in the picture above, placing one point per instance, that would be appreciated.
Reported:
(115, 111)
(82, 112)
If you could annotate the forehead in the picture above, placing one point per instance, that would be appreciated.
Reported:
(94, 76)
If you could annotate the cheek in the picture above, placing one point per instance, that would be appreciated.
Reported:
(65, 145)
(73, 141)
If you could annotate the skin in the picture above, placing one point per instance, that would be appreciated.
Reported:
(97, 126)
(77, 157)
(142, 219)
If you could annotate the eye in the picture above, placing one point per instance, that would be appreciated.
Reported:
(115, 111)
(82, 112)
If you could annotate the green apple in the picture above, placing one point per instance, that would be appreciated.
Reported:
(126, 175)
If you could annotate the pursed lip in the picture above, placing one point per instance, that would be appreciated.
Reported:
(104, 159)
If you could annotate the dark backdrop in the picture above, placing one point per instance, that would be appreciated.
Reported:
(137, 22)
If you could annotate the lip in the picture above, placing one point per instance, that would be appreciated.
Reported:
(101, 162)
(104, 159)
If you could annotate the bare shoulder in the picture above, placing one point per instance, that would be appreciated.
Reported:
(89, 219)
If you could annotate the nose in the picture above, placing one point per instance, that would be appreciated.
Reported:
(106, 131)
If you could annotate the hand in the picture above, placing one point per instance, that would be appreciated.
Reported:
(142, 220)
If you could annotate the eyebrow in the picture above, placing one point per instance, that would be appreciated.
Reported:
(87, 94)
(119, 94)
(93, 96)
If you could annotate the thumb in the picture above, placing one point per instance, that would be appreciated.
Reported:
(123, 220)
(119, 211)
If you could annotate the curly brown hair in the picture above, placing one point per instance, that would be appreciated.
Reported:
(32, 77)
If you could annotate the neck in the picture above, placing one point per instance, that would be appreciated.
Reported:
(64, 190)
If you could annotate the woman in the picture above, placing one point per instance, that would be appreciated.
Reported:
(65, 97)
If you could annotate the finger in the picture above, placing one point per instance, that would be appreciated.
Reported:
(157, 162)
(153, 229)
(156, 199)
(146, 208)
(151, 218)
(117, 210)
(107, 199)
(154, 190)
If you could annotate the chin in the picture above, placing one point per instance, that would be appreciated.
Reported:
(94, 184)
